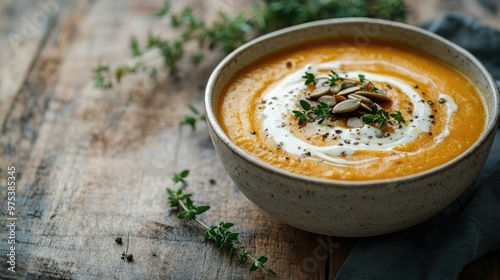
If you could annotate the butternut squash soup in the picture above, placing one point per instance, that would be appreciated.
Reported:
(330, 110)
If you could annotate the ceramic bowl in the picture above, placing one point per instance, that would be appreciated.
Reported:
(344, 208)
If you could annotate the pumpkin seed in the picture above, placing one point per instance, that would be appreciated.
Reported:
(311, 117)
(349, 90)
(348, 85)
(328, 99)
(374, 96)
(363, 99)
(378, 106)
(366, 107)
(335, 89)
(379, 133)
(340, 98)
(346, 106)
(321, 81)
(355, 122)
(318, 92)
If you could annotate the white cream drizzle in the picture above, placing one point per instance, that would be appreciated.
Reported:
(287, 94)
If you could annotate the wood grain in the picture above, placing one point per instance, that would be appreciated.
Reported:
(93, 165)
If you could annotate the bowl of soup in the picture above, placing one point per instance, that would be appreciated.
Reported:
(352, 127)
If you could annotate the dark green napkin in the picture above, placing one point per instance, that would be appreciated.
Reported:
(440, 247)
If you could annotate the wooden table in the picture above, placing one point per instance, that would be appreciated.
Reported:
(93, 165)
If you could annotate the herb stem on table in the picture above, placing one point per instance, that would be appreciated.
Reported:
(220, 234)
(229, 31)
(191, 120)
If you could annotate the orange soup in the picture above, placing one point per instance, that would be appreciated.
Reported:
(331, 110)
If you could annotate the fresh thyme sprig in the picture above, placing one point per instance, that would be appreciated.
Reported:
(227, 32)
(221, 234)
(322, 111)
(163, 11)
(302, 115)
(191, 120)
(309, 78)
(333, 77)
(319, 112)
(102, 77)
(179, 177)
(398, 117)
(382, 116)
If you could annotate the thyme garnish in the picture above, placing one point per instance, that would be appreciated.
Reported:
(322, 111)
(309, 78)
(221, 234)
(302, 115)
(333, 77)
(319, 112)
(382, 116)
(191, 120)
(397, 116)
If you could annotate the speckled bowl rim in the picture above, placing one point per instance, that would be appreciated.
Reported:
(213, 122)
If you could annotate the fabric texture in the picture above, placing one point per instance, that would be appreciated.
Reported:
(440, 247)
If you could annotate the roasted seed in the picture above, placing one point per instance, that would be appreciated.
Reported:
(340, 98)
(379, 133)
(311, 117)
(335, 89)
(378, 107)
(321, 81)
(348, 85)
(346, 106)
(366, 107)
(363, 99)
(328, 99)
(355, 123)
(349, 90)
(375, 96)
(318, 92)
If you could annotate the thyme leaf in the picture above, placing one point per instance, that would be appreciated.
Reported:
(191, 120)
(310, 79)
(381, 117)
(301, 115)
(221, 233)
(333, 77)
(398, 117)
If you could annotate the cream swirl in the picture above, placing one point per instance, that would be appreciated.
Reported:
(288, 92)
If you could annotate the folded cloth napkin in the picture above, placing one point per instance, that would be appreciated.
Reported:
(440, 247)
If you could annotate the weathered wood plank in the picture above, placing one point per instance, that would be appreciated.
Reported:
(25, 25)
(94, 165)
